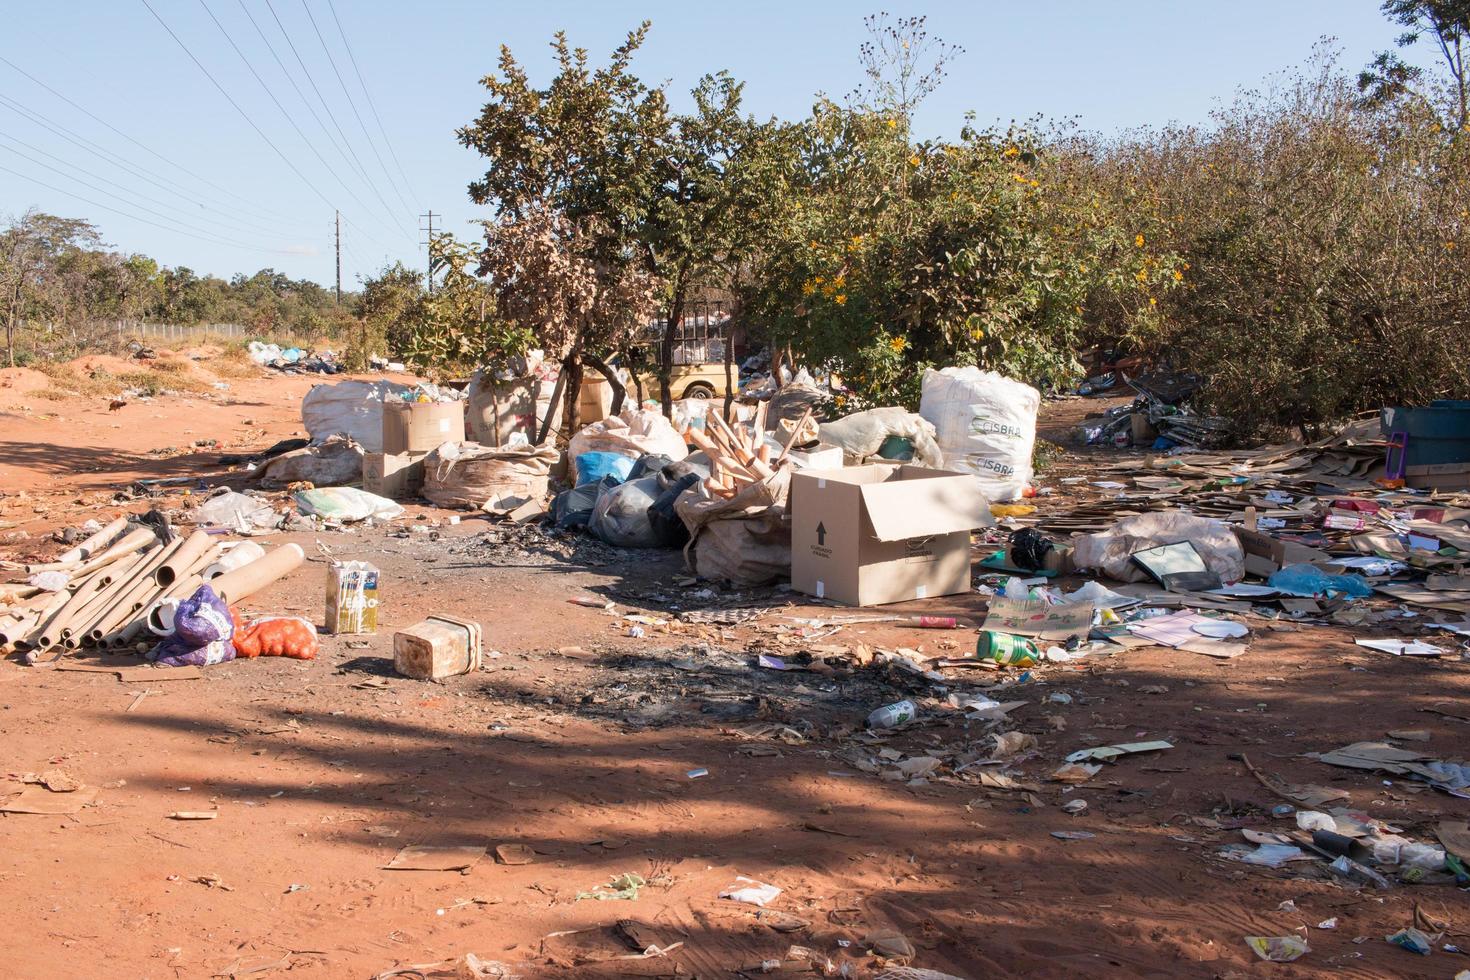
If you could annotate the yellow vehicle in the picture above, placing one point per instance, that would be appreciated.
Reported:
(698, 369)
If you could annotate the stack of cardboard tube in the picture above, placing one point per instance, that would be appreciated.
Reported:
(737, 458)
(118, 579)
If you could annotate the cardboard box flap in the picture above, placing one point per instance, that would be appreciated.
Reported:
(924, 507)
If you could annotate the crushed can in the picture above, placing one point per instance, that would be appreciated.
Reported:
(1007, 649)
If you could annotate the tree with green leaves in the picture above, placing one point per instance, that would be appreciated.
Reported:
(1446, 23)
(573, 173)
(30, 249)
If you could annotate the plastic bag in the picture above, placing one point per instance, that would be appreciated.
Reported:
(592, 467)
(239, 512)
(353, 408)
(203, 629)
(862, 434)
(1111, 551)
(985, 424)
(633, 433)
(1309, 580)
(277, 636)
(620, 516)
(346, 504)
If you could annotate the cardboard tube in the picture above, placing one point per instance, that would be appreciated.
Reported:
(61, 613)
(131, 542)
(241, 554)
(148, 591)
(249, 579)
(179, 563)
(15, 630)
(104, 599)
(94, 544)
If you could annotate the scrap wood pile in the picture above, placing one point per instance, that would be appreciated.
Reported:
(737, 458)
(122, 585)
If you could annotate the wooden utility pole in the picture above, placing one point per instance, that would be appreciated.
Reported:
(430, 243)
(339, 258)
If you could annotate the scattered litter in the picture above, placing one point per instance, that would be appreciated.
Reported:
(426, 857)
(1073, 835)
(1413, 940)
(514, 854)
(1278, 949)
(623, 887)
(1107, 753)
(750, 891)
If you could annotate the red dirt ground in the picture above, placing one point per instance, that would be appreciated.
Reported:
(576, 739)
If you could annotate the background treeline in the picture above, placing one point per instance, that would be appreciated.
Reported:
(1303, 251)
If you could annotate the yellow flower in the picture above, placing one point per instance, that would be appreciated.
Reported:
(1035, 183)
(1012, 151)
(807, 288)
(1178, 276)
(1082, 268)
(977, 333)
(1449, 246)
(1142, 275)
(819, 280)
(893, 124)
(913, 160)
(1138, 240)
(898, 344)
(840, 280)
(1152, 301)
(840, 299)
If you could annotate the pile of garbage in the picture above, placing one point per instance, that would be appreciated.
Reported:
(1160, 418)
(294, 360)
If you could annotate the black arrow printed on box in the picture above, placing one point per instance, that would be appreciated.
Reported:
(821, 534)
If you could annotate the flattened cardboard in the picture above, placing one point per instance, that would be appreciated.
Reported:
(1271, 554)
(419, 427)
(869, 535)
(426, 857)
(39, 799)
(1035, 617)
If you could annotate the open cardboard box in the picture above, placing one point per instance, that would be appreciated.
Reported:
(868, 535)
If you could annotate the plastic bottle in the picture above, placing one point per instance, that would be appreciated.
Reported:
(893, 715)
(1004, 648)
(1016, 589)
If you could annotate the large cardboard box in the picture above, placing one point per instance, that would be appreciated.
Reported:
(418, 427)
(397, 477)
(868, 535)
(1265, 554)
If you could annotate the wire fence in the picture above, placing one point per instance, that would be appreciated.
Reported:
(177, 331)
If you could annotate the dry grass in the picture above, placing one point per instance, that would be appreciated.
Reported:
(233, 362)
(157, 378)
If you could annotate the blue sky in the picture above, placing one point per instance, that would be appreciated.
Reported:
(220, 199)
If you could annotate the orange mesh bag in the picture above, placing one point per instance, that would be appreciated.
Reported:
(277, 636)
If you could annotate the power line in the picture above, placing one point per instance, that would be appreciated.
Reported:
(369, 97)
(314, 87)
(347, 154)
(106, 180)
(243, 115)
(113, 159)
(372, 145)
(142, 146)
(134, 217)
(291, 119)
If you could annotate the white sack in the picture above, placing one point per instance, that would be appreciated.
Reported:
(985, 424)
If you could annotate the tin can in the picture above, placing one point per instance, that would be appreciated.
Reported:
(893, 715)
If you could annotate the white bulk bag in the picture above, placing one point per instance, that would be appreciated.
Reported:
(985, 424)
(352, 408)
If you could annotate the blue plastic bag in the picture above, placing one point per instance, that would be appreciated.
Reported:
(1311, 581)
(592, 467)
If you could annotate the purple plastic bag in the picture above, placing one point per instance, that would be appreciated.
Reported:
(202, 633)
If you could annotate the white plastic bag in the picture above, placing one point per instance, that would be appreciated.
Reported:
(634, 433)
(351, 407)
(346, 504)
(985, 424)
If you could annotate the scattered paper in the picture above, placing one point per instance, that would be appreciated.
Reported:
(38, 799)
(1278, 949)
(1403, 648)
(1107, 752)
(426, 857)
(750, 891)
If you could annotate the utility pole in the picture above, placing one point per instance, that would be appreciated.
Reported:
(430, 243)
(339, 258)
